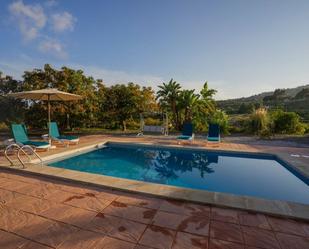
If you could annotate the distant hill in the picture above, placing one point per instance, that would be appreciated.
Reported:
(285, 98)
(258, 97)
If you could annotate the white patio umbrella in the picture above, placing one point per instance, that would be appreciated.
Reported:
(47, 94)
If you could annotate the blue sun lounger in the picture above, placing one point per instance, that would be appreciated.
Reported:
(213, 133)
(55, 135)
(187, 132)
(20, 136)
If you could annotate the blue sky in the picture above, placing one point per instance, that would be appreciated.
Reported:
(241, 47)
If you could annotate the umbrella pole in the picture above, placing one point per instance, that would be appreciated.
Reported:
(49, 137)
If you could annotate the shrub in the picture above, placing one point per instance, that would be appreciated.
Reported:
(3, 127)
(259, 122)
(222, 119)
(306, 127)
(132, 124)
(239, 123)
(152, 121)
(287, 123)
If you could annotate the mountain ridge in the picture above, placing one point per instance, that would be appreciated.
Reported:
(291, 92)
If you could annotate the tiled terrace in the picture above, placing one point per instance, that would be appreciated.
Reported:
(39, 212)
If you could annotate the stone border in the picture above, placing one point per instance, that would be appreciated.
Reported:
(273, 207)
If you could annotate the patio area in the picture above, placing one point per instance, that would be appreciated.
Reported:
(38, 212)
(44, 212)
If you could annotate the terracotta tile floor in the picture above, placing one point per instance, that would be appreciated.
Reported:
(39, 212)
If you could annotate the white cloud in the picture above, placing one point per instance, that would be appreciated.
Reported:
(63, 21)
(53, 47)
(30, 18)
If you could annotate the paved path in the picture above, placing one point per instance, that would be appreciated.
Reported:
(38, 212)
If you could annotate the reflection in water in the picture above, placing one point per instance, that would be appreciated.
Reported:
(163, 166)
(168, 166)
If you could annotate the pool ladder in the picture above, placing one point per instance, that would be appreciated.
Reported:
(25, 150)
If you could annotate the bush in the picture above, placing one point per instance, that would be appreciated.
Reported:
(132, 124)
(239, 123)
(3, 126)
(221, 118)
(259, 122)
(287, 123)
(152, 121)
(306, 127)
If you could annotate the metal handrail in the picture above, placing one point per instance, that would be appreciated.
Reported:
(32, 150)
(6, 151)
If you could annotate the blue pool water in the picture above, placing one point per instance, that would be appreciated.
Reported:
(242, 174)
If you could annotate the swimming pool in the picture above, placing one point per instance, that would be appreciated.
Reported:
(237, 173)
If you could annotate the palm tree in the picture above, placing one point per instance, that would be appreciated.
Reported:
(168, 95)
(207, 96)
(187, 101)
(205, 107)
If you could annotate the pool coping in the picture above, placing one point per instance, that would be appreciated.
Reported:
(249, 203)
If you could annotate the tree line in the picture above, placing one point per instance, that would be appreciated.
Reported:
(111, 107)
(290, 100)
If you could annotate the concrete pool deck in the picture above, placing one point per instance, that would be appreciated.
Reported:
(24, 193)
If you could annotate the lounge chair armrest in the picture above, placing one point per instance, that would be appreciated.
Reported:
(9, 141)
(45, 136)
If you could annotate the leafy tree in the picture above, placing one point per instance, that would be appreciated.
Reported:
(122, 102)
(81, 114)
(11, 110)
(119, 105)
(143, 97)
(104, 106)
